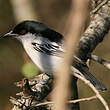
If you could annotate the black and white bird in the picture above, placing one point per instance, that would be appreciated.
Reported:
(45, 46)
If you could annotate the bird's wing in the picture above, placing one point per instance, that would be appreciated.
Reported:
(49, 48)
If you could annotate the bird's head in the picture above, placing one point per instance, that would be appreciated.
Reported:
(26, 29)
(32, 29)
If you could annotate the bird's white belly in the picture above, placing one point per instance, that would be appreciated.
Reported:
(46, 63)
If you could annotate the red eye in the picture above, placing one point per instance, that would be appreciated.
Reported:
(22, 32)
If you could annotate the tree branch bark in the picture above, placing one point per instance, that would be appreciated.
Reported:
(96, 31)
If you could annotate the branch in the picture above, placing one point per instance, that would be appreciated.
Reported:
(94, 34)
(34, 91)
(94, 89)
(71, 101)
(99, 6)
(100, 60)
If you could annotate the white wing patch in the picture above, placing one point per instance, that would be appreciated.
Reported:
(47, 47)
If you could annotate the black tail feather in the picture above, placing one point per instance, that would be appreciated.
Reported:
(97, 84)
(83, 71)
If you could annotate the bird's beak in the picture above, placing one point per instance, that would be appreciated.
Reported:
(10, 34)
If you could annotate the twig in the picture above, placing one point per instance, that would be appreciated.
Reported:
(99, 6)
(83, 99)
(94, 89)
(17, 102)
(100, 60)
(71, 101)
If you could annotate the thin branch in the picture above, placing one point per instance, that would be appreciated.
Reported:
(99, 6)
(17, 102)
(71, 101)
(100, 60)
(94, 89)
(83, 99)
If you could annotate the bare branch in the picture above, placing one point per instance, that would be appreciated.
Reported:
(100, 60)
(94, 34)
(71, 101)
(83, 99)
(99, 6)
(94, 89)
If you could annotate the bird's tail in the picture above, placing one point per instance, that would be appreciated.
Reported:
(85, 73)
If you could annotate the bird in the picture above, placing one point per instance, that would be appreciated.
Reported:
(45, 47)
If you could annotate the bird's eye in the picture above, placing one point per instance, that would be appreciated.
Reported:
(22, 32)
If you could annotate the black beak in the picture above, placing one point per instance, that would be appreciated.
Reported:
(10, 34)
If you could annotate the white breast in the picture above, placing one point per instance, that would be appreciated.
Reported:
(46, 63)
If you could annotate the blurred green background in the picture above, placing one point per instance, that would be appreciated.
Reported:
(54, 14)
